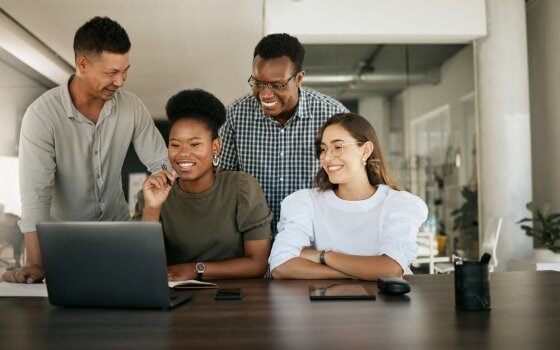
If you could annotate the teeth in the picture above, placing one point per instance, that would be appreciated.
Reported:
(269, 104)
(186, 164)
(334, 167)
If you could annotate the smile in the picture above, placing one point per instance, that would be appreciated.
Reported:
(334, 168)
(269, 104)
(184, 166)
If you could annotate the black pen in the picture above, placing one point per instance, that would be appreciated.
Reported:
(164, 167)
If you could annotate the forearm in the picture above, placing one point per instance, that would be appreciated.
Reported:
(150, 214)
(367, 268)
(32, 249)
(243, 267)
(300, 268)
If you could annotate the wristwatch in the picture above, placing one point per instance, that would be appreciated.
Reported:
(200, 268)
(322, 256)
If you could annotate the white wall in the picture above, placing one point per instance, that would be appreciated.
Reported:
(17, 91)
(377, 21)
(544, 79)
(375, 110)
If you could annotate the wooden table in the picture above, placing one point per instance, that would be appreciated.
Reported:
(279, 315)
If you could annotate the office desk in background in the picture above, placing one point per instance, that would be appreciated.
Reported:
(278, 315)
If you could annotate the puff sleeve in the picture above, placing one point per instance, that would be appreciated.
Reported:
(401, 218)
(295, 228)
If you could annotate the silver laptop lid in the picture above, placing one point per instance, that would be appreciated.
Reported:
(105, 264)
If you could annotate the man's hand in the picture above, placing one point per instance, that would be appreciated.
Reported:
(31, 273)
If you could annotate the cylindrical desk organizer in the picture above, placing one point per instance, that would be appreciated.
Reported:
(472, 287)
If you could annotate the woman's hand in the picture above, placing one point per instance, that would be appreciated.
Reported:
(156, 188)
(181, 272)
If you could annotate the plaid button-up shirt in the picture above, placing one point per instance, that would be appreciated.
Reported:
(280, 157)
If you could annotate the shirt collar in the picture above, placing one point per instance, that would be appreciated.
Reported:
(302, 111)
(72, 112)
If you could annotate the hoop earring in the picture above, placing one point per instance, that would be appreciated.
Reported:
(216, 160)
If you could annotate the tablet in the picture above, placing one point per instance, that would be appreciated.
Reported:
(340, 292)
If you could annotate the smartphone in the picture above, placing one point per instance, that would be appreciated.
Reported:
(229, 294)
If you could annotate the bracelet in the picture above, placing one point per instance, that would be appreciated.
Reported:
(322, 256)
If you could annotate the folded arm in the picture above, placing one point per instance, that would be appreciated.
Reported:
(337, 265)
(251, 265)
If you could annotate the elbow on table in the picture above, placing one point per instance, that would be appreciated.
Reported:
(394, 270)
(280, 273)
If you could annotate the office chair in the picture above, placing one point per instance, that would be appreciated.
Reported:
(489, 245)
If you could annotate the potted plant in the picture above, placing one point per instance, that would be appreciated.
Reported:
(465, 220)
(545, 228)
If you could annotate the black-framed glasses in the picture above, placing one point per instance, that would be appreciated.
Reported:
(337, 149)
(258, 85)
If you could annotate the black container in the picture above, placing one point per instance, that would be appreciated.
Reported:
(472, 287)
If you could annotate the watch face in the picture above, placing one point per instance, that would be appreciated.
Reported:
(200, 267)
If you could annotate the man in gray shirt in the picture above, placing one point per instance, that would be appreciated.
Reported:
(74, 140)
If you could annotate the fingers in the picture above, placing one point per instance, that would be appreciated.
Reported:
(9, 276)
(172, 276)
(35, 275)
(161, 181)
(170, 177)
(29, 274)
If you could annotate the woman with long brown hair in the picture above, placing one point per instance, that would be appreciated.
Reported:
(356, 223)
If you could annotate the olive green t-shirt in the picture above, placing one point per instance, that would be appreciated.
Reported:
(212, 225)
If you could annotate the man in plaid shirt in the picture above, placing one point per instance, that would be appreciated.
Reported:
(270, 132)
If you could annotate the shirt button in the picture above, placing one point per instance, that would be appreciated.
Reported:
(97, 176)
(282, 131)
(95, 152)
(281, 179)
(281, 154)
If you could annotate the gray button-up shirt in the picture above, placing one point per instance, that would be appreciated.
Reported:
(70, 167)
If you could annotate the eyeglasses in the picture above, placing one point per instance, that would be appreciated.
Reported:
(258, 85)
(336, 149)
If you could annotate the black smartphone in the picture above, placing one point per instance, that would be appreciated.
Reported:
(229, 294)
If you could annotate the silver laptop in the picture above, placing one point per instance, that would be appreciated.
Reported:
(106, 264)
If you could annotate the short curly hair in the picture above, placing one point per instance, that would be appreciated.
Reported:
(101, 34)
(199, 105)
(281, 44)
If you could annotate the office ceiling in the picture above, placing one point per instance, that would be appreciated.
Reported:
(353, 71)
(179, 44)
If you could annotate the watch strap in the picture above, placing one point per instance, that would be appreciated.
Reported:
(200, 269)
(322, 256)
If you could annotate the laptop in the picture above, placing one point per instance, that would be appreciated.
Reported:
(107, 264)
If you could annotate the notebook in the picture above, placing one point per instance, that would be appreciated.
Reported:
(107, 264)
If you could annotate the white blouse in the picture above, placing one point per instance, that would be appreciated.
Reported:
(386, 223)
